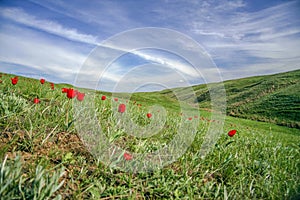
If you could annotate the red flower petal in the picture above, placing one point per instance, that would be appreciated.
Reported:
(122, 108)
(127, 156)
(42, 81)
(80, 96)
(149, 115)
(64, 90)
(36, 100)
(14, 81)
(103, 97)
(231, 133)
(71, 93)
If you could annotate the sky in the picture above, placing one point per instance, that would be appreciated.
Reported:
(117, 45)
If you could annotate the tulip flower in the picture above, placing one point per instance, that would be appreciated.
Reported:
(14, 80)
(80, 96)
(71, 93)
(127, 156)
(64, 90)
(231, 133)
(36, 101)
(52, 86)
(42, 81)
(103, 97)
(122, 108)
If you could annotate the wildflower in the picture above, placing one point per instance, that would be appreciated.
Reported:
(190, 118)
(122, 108)
(14, 80)
(42, 81)
(71, 93)
(36, 101)
(52, 86)
(231, 133)
(103, 97)
(127, 156)
(149, 115)
(116, 99)
(80, 96)
(64, 90)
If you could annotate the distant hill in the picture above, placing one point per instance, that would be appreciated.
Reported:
(271, 98)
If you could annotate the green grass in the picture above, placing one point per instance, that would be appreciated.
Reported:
(272, 98)
(38, 141)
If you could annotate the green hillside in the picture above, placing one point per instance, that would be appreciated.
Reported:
(271, 98)
(48, 150)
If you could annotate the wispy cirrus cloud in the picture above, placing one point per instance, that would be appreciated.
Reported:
(20, 16)
(250, 42)
(39, 53)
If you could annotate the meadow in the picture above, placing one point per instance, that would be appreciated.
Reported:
(43, 156)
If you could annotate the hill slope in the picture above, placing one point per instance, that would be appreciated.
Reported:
(45, 155)
(271, 98)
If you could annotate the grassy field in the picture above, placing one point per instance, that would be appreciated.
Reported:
(44, 157)
(272, 98)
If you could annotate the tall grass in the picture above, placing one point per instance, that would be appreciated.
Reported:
(43, 156)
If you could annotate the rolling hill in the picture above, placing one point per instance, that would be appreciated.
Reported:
(270, 98)
(45, 155)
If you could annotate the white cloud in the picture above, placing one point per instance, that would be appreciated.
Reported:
(37, 52)
(18, 15)
(265, 41)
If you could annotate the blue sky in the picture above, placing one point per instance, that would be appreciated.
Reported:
(54, 39)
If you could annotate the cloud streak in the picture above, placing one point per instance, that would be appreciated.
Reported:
(19, 16)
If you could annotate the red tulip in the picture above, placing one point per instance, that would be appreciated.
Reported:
(127, 156)
(71, 93)
(36, 101)
(116, 99)
(231, 133)
(80, 96)
(42, 81)
(14, 81)
(190, 118)
(64, 90)
(122, 108)
(103, 97)
(52, 86)
(149, 115)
